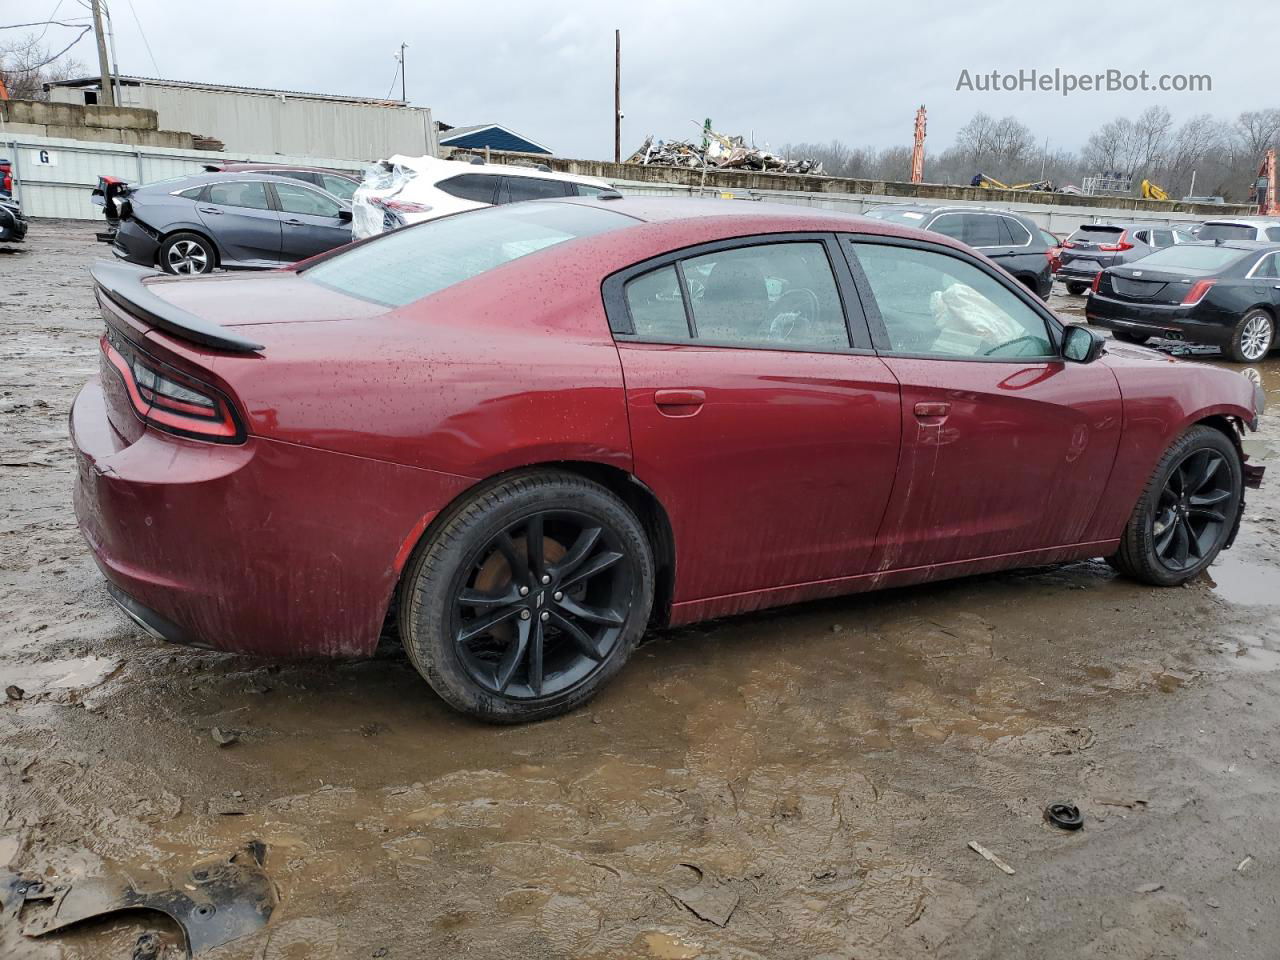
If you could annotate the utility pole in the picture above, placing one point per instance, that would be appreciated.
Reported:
(104, 79)
(115, 59)
(403, 98)
(617, 96)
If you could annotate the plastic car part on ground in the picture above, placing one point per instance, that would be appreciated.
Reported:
(721, 151)
(216, 902)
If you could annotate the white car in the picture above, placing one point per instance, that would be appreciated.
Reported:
(404, 190)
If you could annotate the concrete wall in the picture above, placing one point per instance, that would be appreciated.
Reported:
(271, 123)
(93, 123)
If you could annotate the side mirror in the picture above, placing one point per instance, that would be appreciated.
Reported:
(344, 216)
(1081, 345)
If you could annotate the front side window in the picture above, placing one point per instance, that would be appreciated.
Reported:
(589, 189)
(244, 193)
(404, 265)
(298, 199)
(1162, 238)
(515, 189)
(938, 305)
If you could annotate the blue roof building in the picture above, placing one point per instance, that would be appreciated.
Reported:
(491, 135)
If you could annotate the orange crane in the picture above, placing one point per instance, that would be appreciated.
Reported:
(917, 151)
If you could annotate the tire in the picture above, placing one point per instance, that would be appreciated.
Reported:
(1253, 337)
(187, 254)
(1156, 518)
(1075, 287)
(1128, 337)
(490, 672)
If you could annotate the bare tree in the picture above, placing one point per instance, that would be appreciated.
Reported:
(27, 64)
(1259, 130)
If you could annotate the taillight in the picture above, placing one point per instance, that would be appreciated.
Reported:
(1119, 246)
(6, 177)
(1097, 279)
(1197, 292)
(170, 400)
(1068, 244)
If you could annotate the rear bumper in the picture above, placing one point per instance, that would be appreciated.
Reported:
(1156, 320)
(130, 242)
(12, 229)
(264, 547)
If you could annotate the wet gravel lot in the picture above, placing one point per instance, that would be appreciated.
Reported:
(802, 783)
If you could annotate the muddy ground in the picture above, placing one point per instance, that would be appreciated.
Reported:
(802, 783)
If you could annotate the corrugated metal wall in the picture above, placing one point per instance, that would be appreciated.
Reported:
(281, 123)
(54, 178)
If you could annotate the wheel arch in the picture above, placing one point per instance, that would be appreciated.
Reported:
(629, 489)
(200, 232)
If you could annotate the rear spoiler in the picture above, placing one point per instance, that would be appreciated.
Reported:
(122, 284)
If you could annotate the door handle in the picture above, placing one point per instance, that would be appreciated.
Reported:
(292, 223)
(684, 402)
(932, 410)
(210, 210)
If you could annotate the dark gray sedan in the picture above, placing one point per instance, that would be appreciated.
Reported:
(1095, 246)
(238, 221)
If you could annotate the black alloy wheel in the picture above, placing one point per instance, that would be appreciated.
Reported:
(1191, 516)
(543, 605)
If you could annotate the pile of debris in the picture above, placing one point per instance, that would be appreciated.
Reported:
(716, 150)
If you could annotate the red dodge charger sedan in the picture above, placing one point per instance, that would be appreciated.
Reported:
(528, 432)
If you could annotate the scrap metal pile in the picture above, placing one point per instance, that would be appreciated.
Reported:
(716, 150)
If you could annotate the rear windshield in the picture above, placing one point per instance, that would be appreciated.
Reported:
(1226, 231)
(414, 262)
(1095, 232)
(909, 218)
(1192, 258)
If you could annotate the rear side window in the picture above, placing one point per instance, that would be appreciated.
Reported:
(192, 193)
(476, 187)
(1162, 238)
(1016, 234)
(777, 295)
(1267, 267)
(975, 229)
(340, 187)
(414, 262)
(1273, 233)
(587, 189)
(306, 176)
(515, 189)
(1227, 231)
(298, 199)
(246, 193)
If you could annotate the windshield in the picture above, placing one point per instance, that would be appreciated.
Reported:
(1226, 231)
(1192, 258)
(414, 262)
(909, 218)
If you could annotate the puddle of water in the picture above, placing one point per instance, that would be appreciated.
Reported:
(665, 946)
(60, 679)
(1239, 580)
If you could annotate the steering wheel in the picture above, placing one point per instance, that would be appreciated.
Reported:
(1010, 343)
(785, 321)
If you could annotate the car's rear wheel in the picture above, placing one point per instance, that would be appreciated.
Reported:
(1187, 511)
(1076, 288)
(187, 253)
(1128, 337)
(528, 597)
(1253, 337)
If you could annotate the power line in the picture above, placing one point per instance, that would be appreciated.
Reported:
(145, 41)
(40, 23)
(45, 63)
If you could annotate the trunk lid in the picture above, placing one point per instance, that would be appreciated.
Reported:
(251, 299)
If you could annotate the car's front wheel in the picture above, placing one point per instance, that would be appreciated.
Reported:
(1187, 511)
(528, 597)
(1253, 337)
(187, 253)
(1075, 288)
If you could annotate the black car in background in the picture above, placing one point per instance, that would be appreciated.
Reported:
(234, 220)
(1096, 246)
(1224, 294)
(1010, 239)
(13, 226)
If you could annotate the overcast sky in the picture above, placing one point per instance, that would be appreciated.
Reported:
(785, 71)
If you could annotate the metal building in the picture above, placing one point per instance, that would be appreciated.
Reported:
(255, 120)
